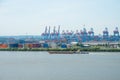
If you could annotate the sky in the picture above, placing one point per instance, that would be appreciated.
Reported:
(29, 17)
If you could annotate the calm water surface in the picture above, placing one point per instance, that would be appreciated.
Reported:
(44, 66)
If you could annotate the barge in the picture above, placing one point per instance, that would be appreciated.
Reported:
(68, 52)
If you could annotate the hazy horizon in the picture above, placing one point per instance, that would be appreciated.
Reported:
(30, 17)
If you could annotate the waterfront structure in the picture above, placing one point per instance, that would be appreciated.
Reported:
(116, 34)
(106, 34)
(82, 36)
(54, 38)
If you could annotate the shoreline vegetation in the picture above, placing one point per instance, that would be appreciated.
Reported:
(66, 49)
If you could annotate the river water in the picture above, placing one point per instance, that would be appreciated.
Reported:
(44, 66)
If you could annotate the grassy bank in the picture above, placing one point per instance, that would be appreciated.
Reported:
(61, 49)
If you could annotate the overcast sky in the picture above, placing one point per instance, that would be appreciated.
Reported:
(20, 17)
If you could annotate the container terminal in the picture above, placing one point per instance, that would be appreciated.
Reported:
(62, 39)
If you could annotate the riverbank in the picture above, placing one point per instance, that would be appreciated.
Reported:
(61, 49)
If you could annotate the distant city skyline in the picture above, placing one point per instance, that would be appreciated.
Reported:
(30, 17)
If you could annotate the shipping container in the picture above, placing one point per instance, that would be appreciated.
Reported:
(3, 46)
(13, 45)
(20, 45)
(36, 45)
(28, 45)
(45, 45)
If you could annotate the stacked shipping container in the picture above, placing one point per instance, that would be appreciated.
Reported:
(3, 46)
